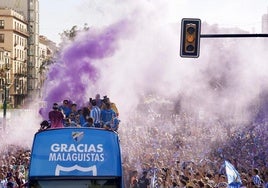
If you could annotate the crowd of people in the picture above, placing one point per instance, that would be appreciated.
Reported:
(186, 152)
(167, 151)
(100, 113)
(14, 166)
(206, 173)
(191, 175)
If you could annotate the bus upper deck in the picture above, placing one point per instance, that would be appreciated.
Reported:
(76, 157)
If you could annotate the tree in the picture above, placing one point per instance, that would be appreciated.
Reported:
(72, 33)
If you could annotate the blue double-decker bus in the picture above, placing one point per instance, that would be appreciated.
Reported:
(76, 157)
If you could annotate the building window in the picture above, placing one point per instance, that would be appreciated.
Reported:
(2, 24)
(2, 38)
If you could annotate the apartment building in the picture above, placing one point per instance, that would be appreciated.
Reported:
(19, 33)
(5, 59)
(47, 50)
(13, 39)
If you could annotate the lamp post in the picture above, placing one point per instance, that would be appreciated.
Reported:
(4, 76)
(5, 104)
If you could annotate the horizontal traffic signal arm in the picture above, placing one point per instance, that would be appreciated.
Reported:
(232, 35)
(191, 34)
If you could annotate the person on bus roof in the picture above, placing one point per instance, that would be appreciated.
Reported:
(107, 116)
(56, 117)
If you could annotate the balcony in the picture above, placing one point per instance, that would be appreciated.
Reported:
(19, 74)
(22, 31)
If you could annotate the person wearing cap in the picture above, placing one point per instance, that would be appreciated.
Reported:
(56, 117)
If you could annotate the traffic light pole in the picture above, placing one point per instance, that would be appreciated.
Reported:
(232, 35)
(191, 34)
(5, 103)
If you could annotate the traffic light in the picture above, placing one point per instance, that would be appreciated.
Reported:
(190, 37)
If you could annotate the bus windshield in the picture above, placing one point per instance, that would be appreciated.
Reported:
(100, 183)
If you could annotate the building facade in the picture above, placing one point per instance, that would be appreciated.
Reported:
(47, 50)
(19, 33)
(5, 64)
(33, 51)
(13, 38)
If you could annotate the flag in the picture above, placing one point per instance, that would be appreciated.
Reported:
(233, 176)
(153, 183)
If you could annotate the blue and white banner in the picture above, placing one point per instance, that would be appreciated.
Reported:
(75, 152)
(233, 176)
(154, 183)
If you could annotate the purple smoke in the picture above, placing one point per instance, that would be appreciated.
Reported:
(76, 66)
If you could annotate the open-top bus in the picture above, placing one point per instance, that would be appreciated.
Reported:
(76, 157)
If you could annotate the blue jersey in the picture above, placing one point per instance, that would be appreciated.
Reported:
(95, 113)
(107, 115)
(256, 180)
(66, 110)
(82, 120)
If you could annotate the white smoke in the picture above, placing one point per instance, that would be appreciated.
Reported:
(222, 85)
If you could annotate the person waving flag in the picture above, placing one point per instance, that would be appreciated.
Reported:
(233, 176)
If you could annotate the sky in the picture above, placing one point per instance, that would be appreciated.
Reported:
(60, 15)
